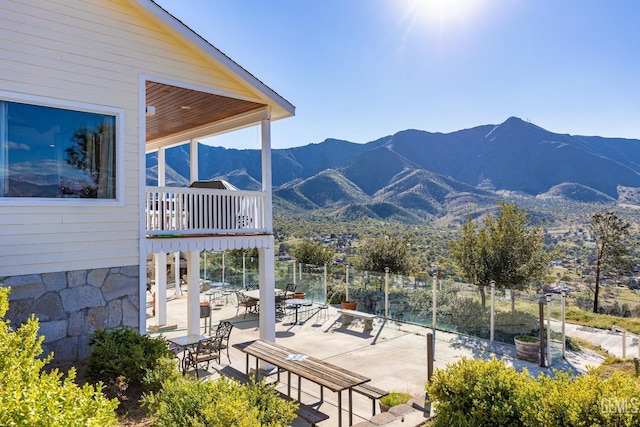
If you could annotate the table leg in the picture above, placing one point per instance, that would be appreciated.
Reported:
(350, 407)
(299, 388)
(289, 383)
(340, 409)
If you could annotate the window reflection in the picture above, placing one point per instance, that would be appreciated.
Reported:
(53, 152)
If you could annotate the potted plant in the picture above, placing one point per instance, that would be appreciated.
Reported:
(527, 348)
(394, 398)
(337, 294)
(349, 305)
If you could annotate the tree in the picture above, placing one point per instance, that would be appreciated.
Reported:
(391, 252)
(610, 233)
(469, 253)
(312, 253)
(507, 250)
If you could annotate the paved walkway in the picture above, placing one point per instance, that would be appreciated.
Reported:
(393, 355)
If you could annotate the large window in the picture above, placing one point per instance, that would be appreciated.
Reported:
(50, 152)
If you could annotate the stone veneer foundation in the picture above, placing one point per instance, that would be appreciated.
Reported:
(72, 305)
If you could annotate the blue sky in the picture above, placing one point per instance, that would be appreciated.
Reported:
(359, 70)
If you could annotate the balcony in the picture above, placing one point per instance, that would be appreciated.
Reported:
(192, 212)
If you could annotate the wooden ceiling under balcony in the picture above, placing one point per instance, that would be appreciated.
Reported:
(178, 109)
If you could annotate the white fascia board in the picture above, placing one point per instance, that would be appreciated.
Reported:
(220, 57)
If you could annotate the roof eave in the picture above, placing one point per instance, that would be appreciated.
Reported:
(161, 14)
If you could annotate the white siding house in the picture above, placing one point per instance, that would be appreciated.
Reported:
(87, 89)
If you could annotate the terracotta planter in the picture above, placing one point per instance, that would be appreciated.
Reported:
(349, 305)
(299, 295)
(527, 350)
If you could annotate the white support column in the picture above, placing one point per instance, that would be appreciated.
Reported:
(162, 167)
(267, 292)
(193, 160)
(266, 174)
(161, 289)
(193, 292)
(176, 273)
(266, 255)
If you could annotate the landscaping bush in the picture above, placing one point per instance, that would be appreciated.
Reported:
(31, 397)
(166, 370)
(123, 352)
(475, 393)
(479, 393)
(183, 401)
(470, 317)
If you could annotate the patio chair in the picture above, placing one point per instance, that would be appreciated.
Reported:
(206, 351)
(249, 304)
(252, 286)
(280, 304)
(289, 290)
(223, 331)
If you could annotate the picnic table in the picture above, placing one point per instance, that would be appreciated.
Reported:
(323, 373)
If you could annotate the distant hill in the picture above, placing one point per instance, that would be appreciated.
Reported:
(416, 175)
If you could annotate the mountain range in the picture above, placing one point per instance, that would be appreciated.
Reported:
(416, 175)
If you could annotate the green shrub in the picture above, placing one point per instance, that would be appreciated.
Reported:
(123, 352)
(31, 397)
(475, 393)
(482, 393)
(395, 398)
(166, 370)
(516, 323)
(183, 401)
(469, 316)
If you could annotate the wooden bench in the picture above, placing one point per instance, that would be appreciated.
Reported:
(306, 412)
(372, 393)
(347, 316)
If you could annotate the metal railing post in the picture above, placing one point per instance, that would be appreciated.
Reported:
(548, 296)
(493, 312)
(386, 292)
(564, 307)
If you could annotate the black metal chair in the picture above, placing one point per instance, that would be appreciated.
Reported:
(289, 290)
(223, 331)
(249, 304)
(207, 350)
(252, 286)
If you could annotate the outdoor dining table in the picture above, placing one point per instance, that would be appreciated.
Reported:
(296, 303)
(184, 342)
(323, 373)
(253, 294)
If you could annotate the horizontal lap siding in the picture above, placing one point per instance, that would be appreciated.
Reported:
(88, 52)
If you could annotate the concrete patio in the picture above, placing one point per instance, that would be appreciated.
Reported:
(393, 355)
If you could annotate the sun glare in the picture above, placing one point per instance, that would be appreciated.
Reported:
(441, 13)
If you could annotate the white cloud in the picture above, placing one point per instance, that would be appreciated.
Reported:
(16, 146)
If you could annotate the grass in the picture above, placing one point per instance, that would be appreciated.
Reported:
(396, 398)
(601, 321)
(612, 364)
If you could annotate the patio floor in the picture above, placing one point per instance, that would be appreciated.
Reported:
(393, 355)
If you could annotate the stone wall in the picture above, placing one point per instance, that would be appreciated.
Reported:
(72, 305)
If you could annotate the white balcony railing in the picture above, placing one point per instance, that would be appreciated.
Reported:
(194, 211)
